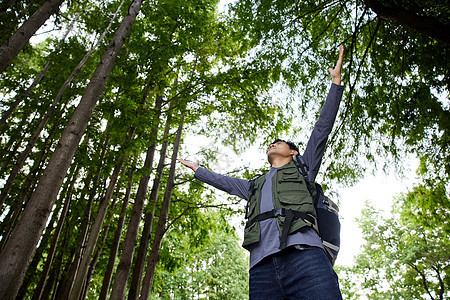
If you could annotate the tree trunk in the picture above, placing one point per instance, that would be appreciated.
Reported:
(16, 256)
(21, 97)
(98, 252)
(51, 285)
(160, 229)
(9, 153)
(12, 47)
(126, 259)
(51, 252)
(32, 270)
(116, 242)
(66, 286)
(95, 232)
(148, 223)
(18, 205)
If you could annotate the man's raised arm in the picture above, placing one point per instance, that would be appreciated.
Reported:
(319, 136)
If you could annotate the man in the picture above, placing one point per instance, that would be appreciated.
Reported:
(293, 266)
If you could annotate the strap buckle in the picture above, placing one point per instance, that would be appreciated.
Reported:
(279, 212)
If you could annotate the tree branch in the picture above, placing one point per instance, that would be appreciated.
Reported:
(429, 26)
(424, 280)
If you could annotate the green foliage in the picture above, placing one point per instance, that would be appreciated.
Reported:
(398, 80)
(211, 263)
(405, 256)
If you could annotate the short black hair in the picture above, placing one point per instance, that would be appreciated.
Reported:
(291, 145)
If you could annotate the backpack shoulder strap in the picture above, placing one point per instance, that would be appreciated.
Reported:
(303, 169)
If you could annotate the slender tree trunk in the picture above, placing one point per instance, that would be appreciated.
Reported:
(10, 153)
(12, 47)
(148, 223)
(21, 161)
(17, 207)
(21, 97)
(93, 237)
(14, 142)
(16, 256)
(51, 252)
(126, 259)
(82, 271)
(66, 286)
(99, 249)
(160, 229)
(51, 284)
(116, 242)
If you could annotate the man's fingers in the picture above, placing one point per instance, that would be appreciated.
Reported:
(341, 57)
(183, 161)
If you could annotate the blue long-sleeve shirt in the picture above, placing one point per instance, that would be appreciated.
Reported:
(269, 242)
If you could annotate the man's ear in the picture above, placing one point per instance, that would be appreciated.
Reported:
(294, 152)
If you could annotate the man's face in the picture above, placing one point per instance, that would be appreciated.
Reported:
(280, 149)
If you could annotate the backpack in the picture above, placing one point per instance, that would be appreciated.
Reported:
(328, 224)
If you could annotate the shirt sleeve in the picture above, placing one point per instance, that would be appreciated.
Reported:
(319, 136)
(231, 185)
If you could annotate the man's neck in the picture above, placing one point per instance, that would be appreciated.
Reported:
(277, 163)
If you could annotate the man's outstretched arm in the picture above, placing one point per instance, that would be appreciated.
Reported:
(232, 185)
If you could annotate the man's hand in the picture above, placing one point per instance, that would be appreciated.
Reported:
(336, 72)
(189, 164)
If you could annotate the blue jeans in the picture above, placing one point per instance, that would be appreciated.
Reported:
(294, 274)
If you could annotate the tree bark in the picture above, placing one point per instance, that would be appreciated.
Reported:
(148, 223)
(52, 281)
(32, 270)
(51, 252)
(116, 242)
(95, 231)
(16, 256)
(66, 286)
(160, 229)
(98, 251)
(17, 206)
(67, 283)
(126, 259)
(12, 47)
(423, 24)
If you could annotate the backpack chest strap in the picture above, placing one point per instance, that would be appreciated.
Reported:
(289, 215)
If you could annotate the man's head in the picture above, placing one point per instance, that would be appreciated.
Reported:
(281, 150)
